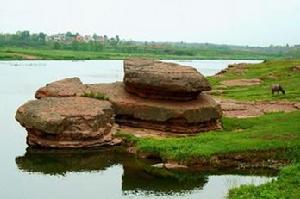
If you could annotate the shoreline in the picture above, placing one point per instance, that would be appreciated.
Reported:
(120, 59)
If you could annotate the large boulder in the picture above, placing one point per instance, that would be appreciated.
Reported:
(68, 87)
(162, 80)
(69, 122)
(201, 114)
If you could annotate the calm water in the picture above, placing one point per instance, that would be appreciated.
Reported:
(34, 174)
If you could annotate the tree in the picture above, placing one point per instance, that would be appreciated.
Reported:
(117, 38)
(25, 35)
(42, 37)
(69, 34)
(105, 38)
(57, 45)
(113, 42)
(95, 36)
(75, 45)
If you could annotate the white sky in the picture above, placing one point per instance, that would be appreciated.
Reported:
(241, 22)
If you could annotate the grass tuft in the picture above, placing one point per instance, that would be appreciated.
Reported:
(97, 95)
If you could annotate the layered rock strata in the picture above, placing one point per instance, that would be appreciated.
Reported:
(201, 114)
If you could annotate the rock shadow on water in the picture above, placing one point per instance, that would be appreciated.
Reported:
(138, 174)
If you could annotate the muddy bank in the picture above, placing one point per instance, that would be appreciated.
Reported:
(99, 159)
(272, 160)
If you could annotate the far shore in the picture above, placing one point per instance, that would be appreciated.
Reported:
(17, 53)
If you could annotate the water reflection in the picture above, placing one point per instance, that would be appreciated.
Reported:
(138, 174)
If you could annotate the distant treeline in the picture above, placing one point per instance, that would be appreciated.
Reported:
(77, 42)
(104, 44)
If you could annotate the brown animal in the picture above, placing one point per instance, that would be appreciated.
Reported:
(277, 88)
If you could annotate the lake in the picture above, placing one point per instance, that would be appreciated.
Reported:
(106, 173)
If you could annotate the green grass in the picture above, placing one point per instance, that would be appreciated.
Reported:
(268, 132)
(286, 186)
(202, 52)
(50, 54)
(276, 131)
(270, 72)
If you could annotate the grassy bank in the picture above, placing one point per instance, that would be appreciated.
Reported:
(279, 132)
(50, 54)
(270, 72)
(268, 132)
(286, 186)
(271, 131)
(184, 53)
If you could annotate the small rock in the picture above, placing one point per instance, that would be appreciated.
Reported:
(175, 166)
(296, 68)
(68, 87)
(297, 105)
(159, 165)
(170, 165)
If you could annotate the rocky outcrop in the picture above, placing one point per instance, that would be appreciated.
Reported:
(155, 95)
(68, 87)
(162, 80)
(194, 116)
(70, 122)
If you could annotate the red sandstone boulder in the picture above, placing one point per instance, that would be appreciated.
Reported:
(67, 122)
(198, 115)
(162, 80)
(68, 87)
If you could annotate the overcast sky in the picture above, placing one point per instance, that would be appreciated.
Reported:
(241, 22)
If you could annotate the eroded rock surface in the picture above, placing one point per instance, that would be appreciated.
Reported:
(162, 80)
(68, 87)
(198, 115)
(69, 122)
(233, 108)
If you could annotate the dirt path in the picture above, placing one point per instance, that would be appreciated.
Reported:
(26, 56)
(232, 108)
(241, 82)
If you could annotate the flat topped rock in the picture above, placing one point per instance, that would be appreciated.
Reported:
(194, 116)
(68, 87)
(163, 80)
(67, 122)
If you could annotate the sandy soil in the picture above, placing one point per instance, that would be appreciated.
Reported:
(241, 82)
